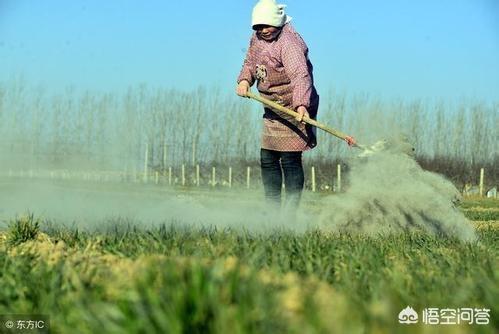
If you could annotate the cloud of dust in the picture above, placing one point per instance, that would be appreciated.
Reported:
(386, 192)
(91, 206)
(389, 192)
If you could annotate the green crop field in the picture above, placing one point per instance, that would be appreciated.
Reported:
(179, 279)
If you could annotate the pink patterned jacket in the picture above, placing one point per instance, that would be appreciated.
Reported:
(284, 75)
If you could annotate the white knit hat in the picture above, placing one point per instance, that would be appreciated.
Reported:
(270, 13)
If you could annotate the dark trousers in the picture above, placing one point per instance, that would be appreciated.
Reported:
(275, 165)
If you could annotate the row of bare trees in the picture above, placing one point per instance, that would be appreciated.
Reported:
(75, 129)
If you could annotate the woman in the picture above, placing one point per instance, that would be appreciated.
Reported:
(277, 60)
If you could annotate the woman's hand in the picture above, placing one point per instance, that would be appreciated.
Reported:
(243, 88)
(302, 113)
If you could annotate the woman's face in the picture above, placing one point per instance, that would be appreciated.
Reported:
(267, 33)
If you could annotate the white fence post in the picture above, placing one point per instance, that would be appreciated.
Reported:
(338, 178)
(197, 175)
(213, 175)
(482, 172)
(313, 179)
(230, 177)
(164, 157)
(169, 176)
(248, 177)
(183, 175)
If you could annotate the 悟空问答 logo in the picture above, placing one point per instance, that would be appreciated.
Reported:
(408, 316)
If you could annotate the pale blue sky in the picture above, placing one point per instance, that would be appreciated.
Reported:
(391, 48)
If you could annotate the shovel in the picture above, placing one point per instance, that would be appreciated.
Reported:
(348, 139)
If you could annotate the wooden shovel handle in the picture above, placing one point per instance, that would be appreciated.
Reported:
(306, 119)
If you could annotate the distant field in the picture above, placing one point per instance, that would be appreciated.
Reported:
(174, 278)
